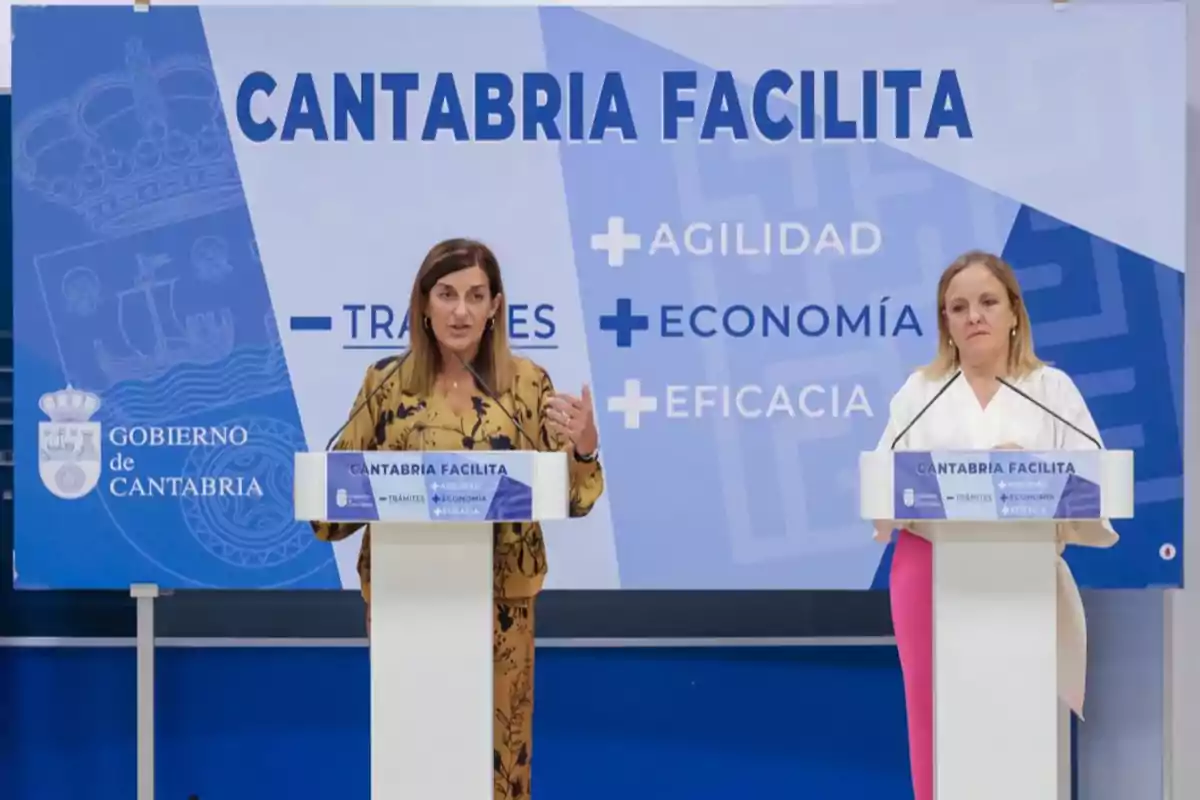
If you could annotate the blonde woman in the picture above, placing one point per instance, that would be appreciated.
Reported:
(983, 336)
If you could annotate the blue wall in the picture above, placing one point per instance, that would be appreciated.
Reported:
(268, 723)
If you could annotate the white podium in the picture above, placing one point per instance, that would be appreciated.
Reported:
(992, 517)
(431, 516)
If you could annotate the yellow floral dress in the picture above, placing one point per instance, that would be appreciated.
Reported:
(394, 420)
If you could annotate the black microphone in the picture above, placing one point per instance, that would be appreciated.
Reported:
(482, 384)
(921, 413)
(354, 412)
(1053, 413)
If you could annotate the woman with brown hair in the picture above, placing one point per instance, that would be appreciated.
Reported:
(984, 349)
(460, 388)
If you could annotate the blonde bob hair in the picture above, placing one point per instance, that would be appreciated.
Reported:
(494, 361)
(1022, 359)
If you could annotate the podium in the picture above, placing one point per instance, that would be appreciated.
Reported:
(992, 517)
(431, 518)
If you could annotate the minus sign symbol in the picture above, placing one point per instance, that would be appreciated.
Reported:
(312, 323)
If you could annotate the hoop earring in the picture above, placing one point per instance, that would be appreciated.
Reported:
(428, 324)
(490, 323)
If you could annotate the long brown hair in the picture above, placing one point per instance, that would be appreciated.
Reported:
(1022, 359)
(493, 362)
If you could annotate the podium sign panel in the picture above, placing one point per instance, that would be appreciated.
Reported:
(997, 485)
(449, 487)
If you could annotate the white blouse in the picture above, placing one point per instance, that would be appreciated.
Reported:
(957, 421)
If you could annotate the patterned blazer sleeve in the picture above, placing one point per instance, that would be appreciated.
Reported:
(359, 434)
(587, 477)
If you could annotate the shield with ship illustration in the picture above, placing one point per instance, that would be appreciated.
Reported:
(156, 298)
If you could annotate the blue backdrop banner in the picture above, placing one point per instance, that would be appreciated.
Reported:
(729, 222)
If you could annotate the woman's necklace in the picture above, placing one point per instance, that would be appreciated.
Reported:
(457, 399)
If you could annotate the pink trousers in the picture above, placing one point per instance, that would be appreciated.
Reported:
(911, 592)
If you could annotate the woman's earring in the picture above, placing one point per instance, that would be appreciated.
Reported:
(490, 323)
(428, 324)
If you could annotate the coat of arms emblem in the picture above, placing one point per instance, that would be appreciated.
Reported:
(69, 444)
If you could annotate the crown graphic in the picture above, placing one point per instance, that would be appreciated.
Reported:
(69, 405)
(135, 149)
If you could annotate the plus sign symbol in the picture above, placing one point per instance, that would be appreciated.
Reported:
(633, 403)
(616, 241)
(624, 322)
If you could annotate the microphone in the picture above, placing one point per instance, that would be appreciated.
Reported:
(354, 411)
(921, 413)
(479, 381)
(1052, 413)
